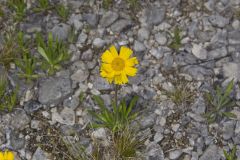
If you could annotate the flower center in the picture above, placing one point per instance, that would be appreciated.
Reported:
(118, 64)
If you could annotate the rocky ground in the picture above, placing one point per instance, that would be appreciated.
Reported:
(208, 54)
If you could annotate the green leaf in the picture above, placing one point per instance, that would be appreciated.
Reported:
(43, 53)
(132, 104)
(229, 114)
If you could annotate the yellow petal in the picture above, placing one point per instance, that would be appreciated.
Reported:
(118, 79)
(130, 71)
(107, 57)
(113, 50)
(1, 156)
(110, 80)
(105, 74)
(106, 67)
(125, 52)
(9, 155)
(131, 62)
(124, 78)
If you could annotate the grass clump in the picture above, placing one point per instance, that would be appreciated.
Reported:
(231, 155)
(27, 64)
(176, 39)
(182, 93)
(116, 119)
(19, 7)
(220, 101)
(53, 51)
(7, 99)
(62, 11)
(126, 143)
(43, 5)
(12, 46)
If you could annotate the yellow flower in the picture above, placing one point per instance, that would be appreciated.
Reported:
(116, 67)
(7, 155)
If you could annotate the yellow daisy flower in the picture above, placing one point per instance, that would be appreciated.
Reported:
(7, 155)
(116, 67)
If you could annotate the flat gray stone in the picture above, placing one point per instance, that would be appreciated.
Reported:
(108, 18)
(218, 21)
(101, 84)
(154, 152)
(154, 15)
(61, 31)
(19, 120)
(121, 25)
(199, 51)
(54, 89)
(212, 152)
(92, 19)
(65, 116)
(175, 154)
(143, 34)
(231, 70)
(228, 129)
(217, 53)
(234, 37)
(138, 46)
(98, 42)
(39, 154)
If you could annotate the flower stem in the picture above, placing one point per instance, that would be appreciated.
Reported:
(116, 94)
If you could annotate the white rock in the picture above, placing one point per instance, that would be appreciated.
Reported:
(98, 42)
(232, 70)
(199, 51)
(100, 133)
(66, 116)
(175, 154)
(161, 38)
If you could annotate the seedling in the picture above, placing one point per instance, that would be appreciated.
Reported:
(176, 42)
(7, 100)
(220, 101)
(62, 11)
(231, 155)
(53, 51)
(118, 118)
(19, 7)
(27, 65)
(107, 3)
(43, 5)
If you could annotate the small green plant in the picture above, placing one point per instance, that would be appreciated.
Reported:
(72, 37)
(43, 5)
(62, 11)
(19, 7)
(53, 51)
(176, 42)
(126, 143)
(220, 101)
(107, 3)
(1, 11)
(12, 45)
(116, 119)
(134, 4)
(27, 64)
(7, 100)
(231, 155)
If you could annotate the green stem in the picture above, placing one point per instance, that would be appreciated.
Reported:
(116, 94)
